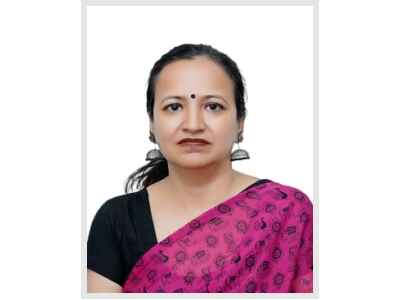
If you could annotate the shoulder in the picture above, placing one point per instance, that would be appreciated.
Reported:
(114, 210)
(290, 205)
(115, 204)
(284, 193)
(115, 219)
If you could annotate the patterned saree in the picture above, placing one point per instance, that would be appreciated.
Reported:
(258, 241)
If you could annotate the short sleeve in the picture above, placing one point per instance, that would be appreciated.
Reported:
(303, 280)
(103, 250)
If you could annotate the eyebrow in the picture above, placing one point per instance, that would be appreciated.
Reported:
(202, 98)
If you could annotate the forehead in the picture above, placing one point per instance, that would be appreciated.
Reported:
(199, 75)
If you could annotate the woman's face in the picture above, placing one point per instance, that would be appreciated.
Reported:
(211, 115)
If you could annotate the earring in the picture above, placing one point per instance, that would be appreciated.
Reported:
(239, 154)
(153, 154)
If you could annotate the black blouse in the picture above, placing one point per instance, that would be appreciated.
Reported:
(121, 232)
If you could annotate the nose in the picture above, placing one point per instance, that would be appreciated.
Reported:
(193, 119)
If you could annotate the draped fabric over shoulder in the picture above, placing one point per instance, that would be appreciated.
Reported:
(258, 241)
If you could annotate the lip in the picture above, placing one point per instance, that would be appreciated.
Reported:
(189, 141)
(193, 145)
(189, 147)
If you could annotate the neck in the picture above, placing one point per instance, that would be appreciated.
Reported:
(198, 188)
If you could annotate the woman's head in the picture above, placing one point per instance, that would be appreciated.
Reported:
(189, 52)
(194, 91)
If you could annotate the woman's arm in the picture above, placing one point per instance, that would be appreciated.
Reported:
(97, 283)
(104, 260)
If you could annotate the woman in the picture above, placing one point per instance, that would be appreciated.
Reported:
(195, 224)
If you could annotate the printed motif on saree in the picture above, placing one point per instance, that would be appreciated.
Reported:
(258, 241)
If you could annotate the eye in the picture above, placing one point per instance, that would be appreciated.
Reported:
(215, 106)
(174, 107)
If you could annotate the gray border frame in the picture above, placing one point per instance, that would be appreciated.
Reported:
(84, 4)
(201, 2)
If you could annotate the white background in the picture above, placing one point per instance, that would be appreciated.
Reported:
(40, 149)
(273, 47)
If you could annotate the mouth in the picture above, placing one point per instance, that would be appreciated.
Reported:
(197, 142)
(194, 145)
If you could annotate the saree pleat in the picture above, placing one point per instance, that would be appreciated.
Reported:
(258, 241)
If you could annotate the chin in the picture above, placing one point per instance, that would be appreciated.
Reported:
(194, 161)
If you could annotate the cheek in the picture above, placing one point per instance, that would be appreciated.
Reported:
(225, 131)
(165, 125)
(169, 126)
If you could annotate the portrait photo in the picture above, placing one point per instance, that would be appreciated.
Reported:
(199, 147)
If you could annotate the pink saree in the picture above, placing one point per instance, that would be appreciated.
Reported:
(258, 241)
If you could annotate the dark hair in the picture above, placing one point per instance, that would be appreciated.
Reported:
(156, 170)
